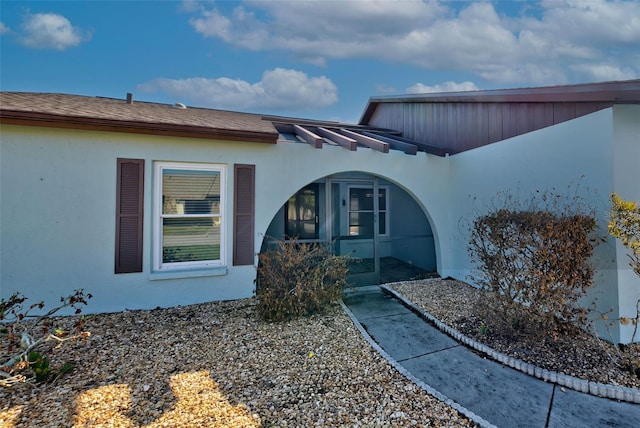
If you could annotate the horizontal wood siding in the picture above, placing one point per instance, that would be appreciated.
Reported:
(460, 126)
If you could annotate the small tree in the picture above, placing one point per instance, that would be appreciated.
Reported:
(624, 224)
(535, 265)
(297, 279)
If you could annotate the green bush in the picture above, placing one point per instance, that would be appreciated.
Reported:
(535, 265)
(298, 279)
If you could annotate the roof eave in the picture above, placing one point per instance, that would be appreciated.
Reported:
(28, 118)
(617, 92)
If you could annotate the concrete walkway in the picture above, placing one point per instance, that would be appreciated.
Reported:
(488, 392)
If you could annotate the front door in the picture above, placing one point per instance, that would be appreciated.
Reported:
(359, 220)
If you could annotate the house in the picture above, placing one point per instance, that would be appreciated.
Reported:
(146, 205)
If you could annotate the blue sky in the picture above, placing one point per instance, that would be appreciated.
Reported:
(315, 59)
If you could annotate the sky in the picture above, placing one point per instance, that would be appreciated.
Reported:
(310, 59)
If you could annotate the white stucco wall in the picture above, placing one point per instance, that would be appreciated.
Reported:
(57, 215)
(568, 157)
(58, 220)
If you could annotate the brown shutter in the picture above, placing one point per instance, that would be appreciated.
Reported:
(243, 214)
(129, 210)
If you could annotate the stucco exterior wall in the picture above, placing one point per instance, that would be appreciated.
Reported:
(57, 215)
(574, 157)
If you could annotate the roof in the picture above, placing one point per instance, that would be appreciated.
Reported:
(127, 115)
(616, 92)
(459, 121)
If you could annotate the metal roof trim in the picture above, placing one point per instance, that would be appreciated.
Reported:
(615, 92)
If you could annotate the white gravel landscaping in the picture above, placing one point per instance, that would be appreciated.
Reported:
(217, 364)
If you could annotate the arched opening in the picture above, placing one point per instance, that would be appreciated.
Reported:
(377, 223)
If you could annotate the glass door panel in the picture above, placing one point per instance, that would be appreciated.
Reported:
(301, 214)
(356, 229)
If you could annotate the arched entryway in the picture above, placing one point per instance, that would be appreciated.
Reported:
(377, 223)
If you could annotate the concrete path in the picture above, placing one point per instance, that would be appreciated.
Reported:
(487, 391)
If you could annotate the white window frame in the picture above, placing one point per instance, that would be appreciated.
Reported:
(385, 210)
(158, 216)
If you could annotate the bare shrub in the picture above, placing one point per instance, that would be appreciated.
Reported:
(298, 279)
(535, 264)
(25, 339)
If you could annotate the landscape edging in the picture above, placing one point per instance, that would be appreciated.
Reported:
(620, 393)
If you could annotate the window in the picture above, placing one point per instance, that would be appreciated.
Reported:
(301, 214)
(361, 213)
(189, 216)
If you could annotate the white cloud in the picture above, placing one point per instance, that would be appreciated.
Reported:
(4, 29)
(50, 31)
(551, 41)
(604, 72)
(419, 88)
(212, 24)
(279, 88)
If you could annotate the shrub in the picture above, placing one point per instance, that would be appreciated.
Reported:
(298, 279)
(535, 265)
(624, 224)
(25, 339)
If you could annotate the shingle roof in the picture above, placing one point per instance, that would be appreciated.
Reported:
(118, 115)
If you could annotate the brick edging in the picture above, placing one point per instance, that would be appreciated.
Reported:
(621, 393)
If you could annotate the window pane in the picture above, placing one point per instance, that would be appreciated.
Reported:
(382, 224)
(360, 199)
(382, 199)
(301, 212)
(190, 239)
(190, 192)
(361, 224)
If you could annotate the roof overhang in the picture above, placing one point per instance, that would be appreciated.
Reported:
(318, 133)
(30, 118)
(619, 92)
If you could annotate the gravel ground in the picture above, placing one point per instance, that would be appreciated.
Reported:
(215, 365)
(578, 354)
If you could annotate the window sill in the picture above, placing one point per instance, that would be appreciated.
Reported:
(191, 273)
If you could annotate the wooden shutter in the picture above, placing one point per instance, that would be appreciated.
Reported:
(243, 214)
(129, 215)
